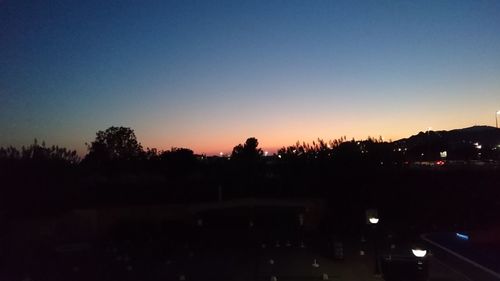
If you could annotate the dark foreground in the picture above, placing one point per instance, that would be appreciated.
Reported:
(220, 248)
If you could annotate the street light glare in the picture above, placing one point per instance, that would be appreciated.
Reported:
(419, 253)
(373, 220)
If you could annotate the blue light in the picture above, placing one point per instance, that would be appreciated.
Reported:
(462, 236)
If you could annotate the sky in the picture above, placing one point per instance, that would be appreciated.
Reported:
(208, 74)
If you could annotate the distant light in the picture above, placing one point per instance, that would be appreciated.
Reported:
(443, 154)
(462, 236)
(279, 156)
(498, 112)
(265, 153)
(419, 253)
(221, 154)
(440, 163)
(373, 220)
(399, 149)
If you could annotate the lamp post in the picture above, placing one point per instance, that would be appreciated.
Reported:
(420, 253)
(373, 221)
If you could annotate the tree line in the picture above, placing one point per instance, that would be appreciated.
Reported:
(349, 174)
(120, 144)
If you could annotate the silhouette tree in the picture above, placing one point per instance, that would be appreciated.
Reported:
(151, 154)
(246, 168)
(40, 153)
(178, 160)
(115, 143)
(178, 155)
(9, 153)
(248, 151)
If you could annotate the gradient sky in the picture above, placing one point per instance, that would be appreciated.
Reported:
(208, 74)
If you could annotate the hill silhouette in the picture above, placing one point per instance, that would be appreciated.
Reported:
(483, 135)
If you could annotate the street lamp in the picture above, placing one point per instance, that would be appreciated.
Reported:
(373, 219)
(420, 253)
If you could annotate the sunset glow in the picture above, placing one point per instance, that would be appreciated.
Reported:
(208, 75)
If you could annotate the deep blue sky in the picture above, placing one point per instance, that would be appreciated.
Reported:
(208, 74)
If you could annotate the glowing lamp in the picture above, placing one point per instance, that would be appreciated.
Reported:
(419, 253)
(372, 216)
